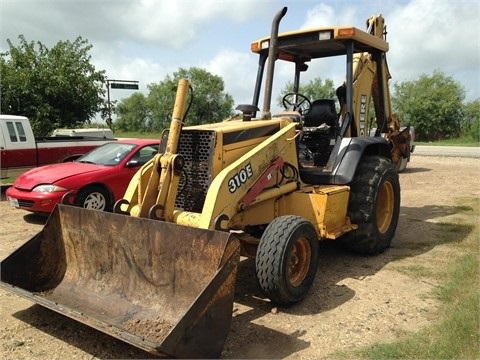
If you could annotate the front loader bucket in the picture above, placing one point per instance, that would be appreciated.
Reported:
(162, 287)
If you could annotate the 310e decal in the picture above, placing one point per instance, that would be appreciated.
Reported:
(240, 178)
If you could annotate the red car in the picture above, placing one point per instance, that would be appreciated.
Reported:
(98, 178)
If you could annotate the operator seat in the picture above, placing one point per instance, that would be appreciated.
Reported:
(320, 129)
(322, 111)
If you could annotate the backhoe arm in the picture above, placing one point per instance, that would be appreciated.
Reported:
(370, 79)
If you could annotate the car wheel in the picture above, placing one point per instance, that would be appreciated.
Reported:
(94, 198)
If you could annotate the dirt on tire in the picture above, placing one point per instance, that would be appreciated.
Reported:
(354, 300)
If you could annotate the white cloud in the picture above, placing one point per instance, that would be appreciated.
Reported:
(145, 40)
(450, 29)
(425, 36)
(167, 22)
(238, 70)
(177, 23)
(325, 15)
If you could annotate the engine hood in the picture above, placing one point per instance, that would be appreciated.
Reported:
(50, 174)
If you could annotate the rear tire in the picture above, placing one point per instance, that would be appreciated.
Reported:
(374, 205)
(287, 259)
(94, 198)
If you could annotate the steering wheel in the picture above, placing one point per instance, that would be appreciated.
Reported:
(297, 101)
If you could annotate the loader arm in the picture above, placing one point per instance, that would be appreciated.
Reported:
(152, 191)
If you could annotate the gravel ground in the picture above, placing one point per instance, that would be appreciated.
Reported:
(354, 301)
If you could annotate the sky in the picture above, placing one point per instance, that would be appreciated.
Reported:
(146, 40)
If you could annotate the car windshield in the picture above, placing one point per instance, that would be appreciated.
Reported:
(108, 154)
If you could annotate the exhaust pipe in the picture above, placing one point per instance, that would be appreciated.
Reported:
(272, 57)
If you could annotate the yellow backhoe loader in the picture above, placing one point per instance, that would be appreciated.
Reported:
(159, 271)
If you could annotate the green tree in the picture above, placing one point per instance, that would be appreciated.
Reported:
(471, 121)
(314, 89)
(133, 113)
(210, 101)
(433, 104)
(57, 87)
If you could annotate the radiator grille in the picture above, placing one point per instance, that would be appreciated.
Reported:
(197, 148)
(25, 203)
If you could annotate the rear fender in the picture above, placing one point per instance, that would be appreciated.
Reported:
(353, 152)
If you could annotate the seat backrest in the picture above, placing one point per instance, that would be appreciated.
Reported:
(321, 112)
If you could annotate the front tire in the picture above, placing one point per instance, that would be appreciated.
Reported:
(287, 259)
(374, 205)
(94, 198)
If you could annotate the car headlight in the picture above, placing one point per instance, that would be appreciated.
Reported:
(48, 188)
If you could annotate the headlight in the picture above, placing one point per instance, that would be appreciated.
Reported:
(325, 35)
(48, 188)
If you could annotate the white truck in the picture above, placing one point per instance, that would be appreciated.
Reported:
(21, 150)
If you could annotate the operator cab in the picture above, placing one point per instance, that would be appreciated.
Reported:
(325, 126)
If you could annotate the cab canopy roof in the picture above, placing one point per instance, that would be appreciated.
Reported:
(304, 45)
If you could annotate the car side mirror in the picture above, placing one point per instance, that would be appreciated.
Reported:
(133, 163)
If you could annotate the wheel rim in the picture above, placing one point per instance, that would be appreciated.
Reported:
(95, 201)
(299, 261)
(385, 206)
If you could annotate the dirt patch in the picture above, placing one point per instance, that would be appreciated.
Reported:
(155, 330)
(354, 301)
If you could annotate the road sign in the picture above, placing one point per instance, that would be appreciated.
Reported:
(127, 86)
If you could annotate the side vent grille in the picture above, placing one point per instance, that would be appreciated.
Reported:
(197, 148)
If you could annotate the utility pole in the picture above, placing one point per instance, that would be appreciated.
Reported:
(117, 84)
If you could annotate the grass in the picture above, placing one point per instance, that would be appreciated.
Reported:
(456, 334)
(7, 181)
(462, 141)
(416, 271)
